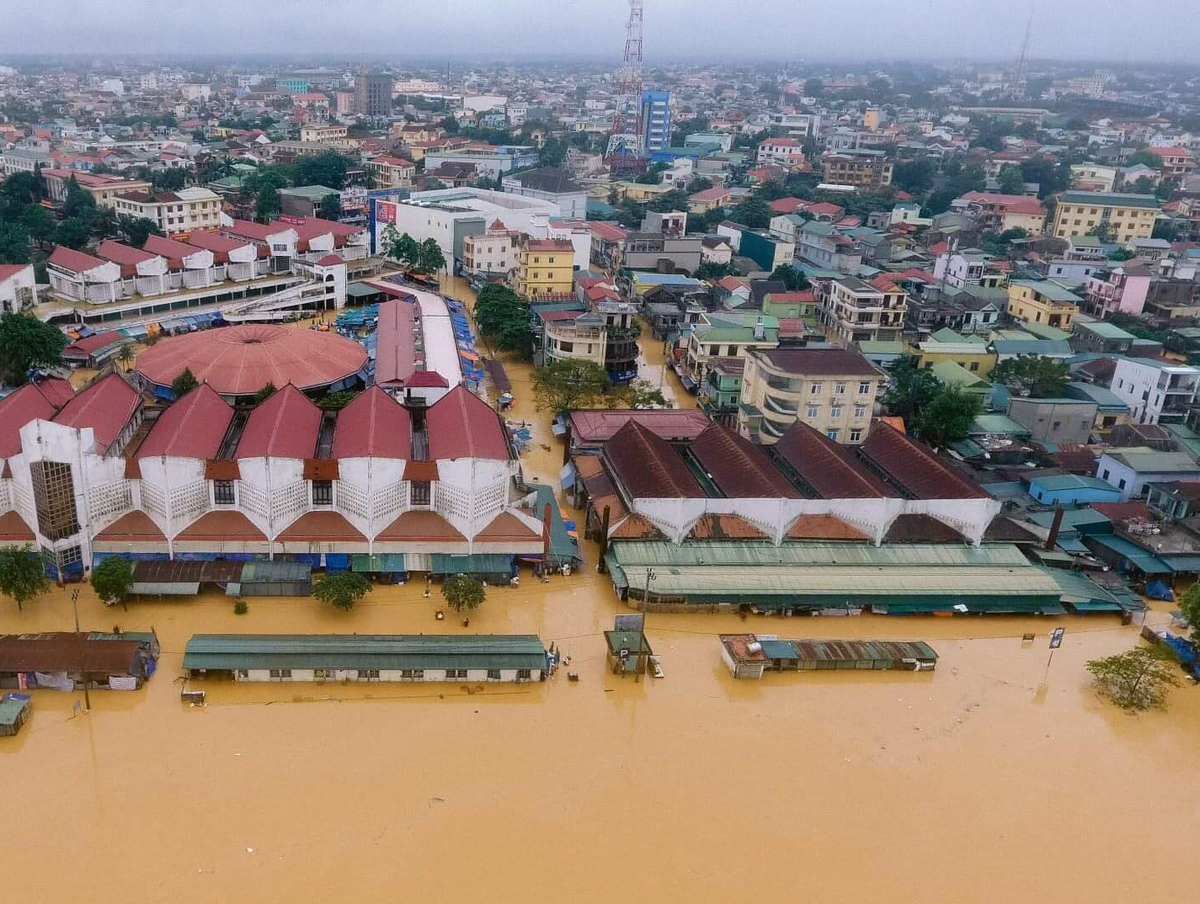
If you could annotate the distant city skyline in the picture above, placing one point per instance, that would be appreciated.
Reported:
(1103, 30)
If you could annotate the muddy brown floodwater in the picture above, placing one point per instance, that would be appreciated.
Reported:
(992, 779)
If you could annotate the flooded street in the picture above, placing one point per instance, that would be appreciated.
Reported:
(993, 778)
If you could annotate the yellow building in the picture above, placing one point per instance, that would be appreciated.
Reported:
(1042, 301)
(545, 269)
(971, 353)
(1125, 216)
(636, 191)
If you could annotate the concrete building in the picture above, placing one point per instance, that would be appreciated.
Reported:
(1156, 391)
(650, 250)
(18, 288)
(175, 213)
(304, 200)
(489, 160)
(372, 94)
(1124, 216)
(945, 346)
(767, 251)
(331, 134)
(1042, 301)
(1122, 289)
(1000, 212)
(656, 120)
(866, 170)
(787, 152)
(826, 247)
(1133, 471)
(390, 172)
(1055, 421)
(493, 252)
(726, 335)
(831, 390)
(854, 311)
(104, 189)
(553, 185)
(545, 269)
(1093, 177)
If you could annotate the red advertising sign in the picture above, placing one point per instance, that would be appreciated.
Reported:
(385, 212)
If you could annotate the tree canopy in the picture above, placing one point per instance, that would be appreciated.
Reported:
(792, 278)
(22, 575)
(1137, 679)
(503, 320)
(1032, 376)
(341, 589)
(112, 578)
(637, 394)
(569, 384)
(461, 591)
(1189, 605)
(184, 383)
(910, 389)
(753, 213)
(26, 343)
(948, 416)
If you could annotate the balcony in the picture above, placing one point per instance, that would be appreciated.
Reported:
(780, 406)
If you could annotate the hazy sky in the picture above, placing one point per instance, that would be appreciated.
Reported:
(1149, 30)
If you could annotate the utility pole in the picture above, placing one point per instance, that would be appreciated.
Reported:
(87, 697)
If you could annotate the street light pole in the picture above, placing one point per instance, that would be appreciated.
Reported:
(87, 697)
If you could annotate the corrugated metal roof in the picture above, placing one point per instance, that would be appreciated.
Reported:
(663, 554)
(859, 650)
(1144, 561)
(377, 651)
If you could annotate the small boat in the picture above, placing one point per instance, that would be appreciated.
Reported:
(572, 676)
(657, 668)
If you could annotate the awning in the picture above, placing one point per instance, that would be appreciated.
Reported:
(1073, 545)
(1093, 606)
(1182, 563)
(164, 589)
(1140, 559)
(380, 563)
(566, 477)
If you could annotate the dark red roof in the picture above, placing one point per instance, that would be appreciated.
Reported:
(395, 346)
(373, 424)
(220, 245)
(321, 526)
(461, 425)
(191, 428)
(125, 255)
(1005, 530)
(820, 362)
(830, 469)
(596, 425)
(132, 527)
(106, 406)
(921, 529)
(8, 271)
(427, 378)
(75, 261)
(330, 260)
(420, 525)
(649, 466)
(16, 410)
(81, 348)
(221, 524)
(739, 468)
(14, 529)
(507, 528)
(284, 426)
(914, 468)
(172, 250)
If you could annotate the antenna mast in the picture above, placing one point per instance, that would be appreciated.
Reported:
(1023, 62)
(625, 142)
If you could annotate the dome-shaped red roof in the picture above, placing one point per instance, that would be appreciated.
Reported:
(241, 360)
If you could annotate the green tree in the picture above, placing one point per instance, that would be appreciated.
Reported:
(948, 416)
(813, 87)
(265, 393)
(135, 230)
(125, 355)
(184, 383)
(22, 574)
(701, 184)
(503, 320)
(330, 207)
(112, 579)
(913, 175)
(791, 278)
(341, 589)
(25, 344)
(568, 384)
(39, 223)
(14, 242)
(771, 190)
(1189, 605)
(1145, 157)
(430, 259)
(712, 270)
(910, 389)
(753, 213)
(266, 204)
(334, 401)
(1010, 179)
(1032, 376)
(638, 394)
(1137, 679)
(328, 169)
(22, 188)
(72, 233)
(463, 592)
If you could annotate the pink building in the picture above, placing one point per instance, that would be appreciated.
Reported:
(1122, 289)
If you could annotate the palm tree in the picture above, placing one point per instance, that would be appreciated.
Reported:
(125, 355)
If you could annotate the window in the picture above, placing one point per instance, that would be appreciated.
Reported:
(1106, 473)
(223, 492)
(832, 433)
(816, 388)
(860, 411)
(1121, 484)
(523, 674)
(281, 673)
(54, 499)
(369, 674)
(565, 346)
(855, 436)
(243, 673)
(864, 387)
(813, 411)
(322, 673)
(494, 674)
(839, 388)
(420, 493)
(322, 492)
(974, 365)
(453, 674)
(836, 411)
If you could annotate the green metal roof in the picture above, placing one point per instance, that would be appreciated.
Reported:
(955, 374)
(10, 710)
(1110, 199)
(998, 423)
(354, 651)
(253, 572)
(1071, 482)
(1105, 329)
(1187, 438)
(477, 563)
(1045, 331)
(1049, 289)
(383, 562)
(663, 554)
(1142, 560)
(311, 192)
(633, 641)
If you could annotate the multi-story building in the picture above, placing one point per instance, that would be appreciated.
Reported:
(1119, 289)
(391, 172)
(831, 390)
(787, 152)
(1156, 391)
(721, 392)
(863, 168)
(1000, 212)
(489, 160)
(18, 288)
(573, 336)
(1093, 177)
(372, 93)
(726, 335)
(825, 246)
(797, 125)
(1122, 216)
(971, 353)
(1175, 161)
(545, 269)
(1042, 301)
(550, 184)
(492, 252)
(175, 213)
(656, 120)
(968, 267)
(854, 311)
(645, 251)
(104, 189)
(325, 133)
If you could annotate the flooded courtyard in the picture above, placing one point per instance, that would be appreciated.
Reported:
(998, 777)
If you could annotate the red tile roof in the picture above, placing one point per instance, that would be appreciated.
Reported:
(507, 528)
(82, 348)
(819, 362)
(649, 466)
(14, 529)
(106, 406)
(725, 527)
(330, 260)
(219, 525)
(461, 425)
(830, 469)
(915, 468)
(172, 250)
(284, 426)
(75, 261)
(373, 424)
(786, 205)
(8, 271)
(917, 528)
(125, 255)
(635, 527)
(219, 245)
(823, 527)
(420, 525)
(590, 425)
(395, 348)
(1010, 203)
(739, 468)
(321, 526)
(193, 427)
(132, 527)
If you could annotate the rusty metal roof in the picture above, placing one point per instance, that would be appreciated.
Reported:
(739, 468)
(648, 466)
(830, 469)
(915, 468)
